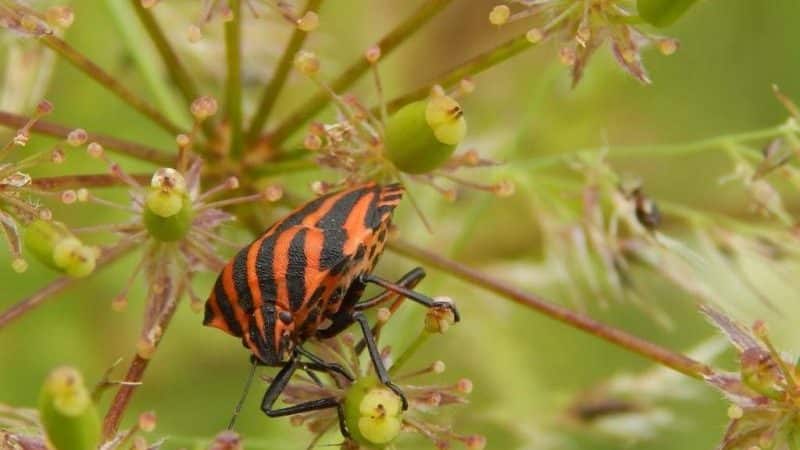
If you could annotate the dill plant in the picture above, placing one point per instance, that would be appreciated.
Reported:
(231, 158)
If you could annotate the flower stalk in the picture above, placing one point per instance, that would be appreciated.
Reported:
(649, 350)
(387, 44)
(233, 84)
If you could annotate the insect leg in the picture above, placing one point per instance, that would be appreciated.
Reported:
(279, 384)
(238, 408)
(344, 319)
(409, 294)
(318, 363)
(375, 356)
(408, 281)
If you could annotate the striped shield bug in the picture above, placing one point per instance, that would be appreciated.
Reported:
(304, 277)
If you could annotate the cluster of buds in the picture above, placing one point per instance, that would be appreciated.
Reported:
(417, 141)
(373, 415)
(49, 241)
(582, 26)
(18, 16)
(764, 394)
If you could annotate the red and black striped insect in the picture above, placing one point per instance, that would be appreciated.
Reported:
(304, 277)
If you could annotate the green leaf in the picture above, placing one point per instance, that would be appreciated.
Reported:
(663, 13)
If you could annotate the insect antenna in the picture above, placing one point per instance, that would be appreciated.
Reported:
(240, 403)
(416, 207)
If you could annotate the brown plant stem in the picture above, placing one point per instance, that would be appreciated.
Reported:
(647, 349)
(275, 85)
(133, 377)
(233, 84)
(428, 10)
(59, 285)
(98, 180)
(94, 71)
(121, 146)
(472, 66)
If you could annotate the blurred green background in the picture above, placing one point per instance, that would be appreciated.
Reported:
(526, 368)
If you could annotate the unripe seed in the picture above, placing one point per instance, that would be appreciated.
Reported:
(499, 15)
(309, 22)
(373, 413)
(54, 245)
(422, 135)
(67, 412)
(19, 265)
(77, 137)
(306, 62)
(204, 107)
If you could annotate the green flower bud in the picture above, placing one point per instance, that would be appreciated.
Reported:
(55, 246)
(168, 210)
(67, 413)
(373, 413)
(662, 13)
(422, 135)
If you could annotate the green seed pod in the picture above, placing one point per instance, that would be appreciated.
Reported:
(422, 135)
(663, 13)
(67, 413)
(168, 210)
(55, 246)
(373, 413)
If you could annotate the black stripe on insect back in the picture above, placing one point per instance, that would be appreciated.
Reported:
(332, 224)
(225, 307)
(296, 270)
(266, 278)
(336, 217)
(372, 219)
(239, 273)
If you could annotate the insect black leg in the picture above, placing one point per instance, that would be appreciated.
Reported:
(408, 281)
(279, 384)
(345, 319)
(409, 294)
(320, 364)
(375, 356)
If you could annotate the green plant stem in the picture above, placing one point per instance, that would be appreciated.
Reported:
(94, 71)
(722, 142)
(59, 285)
(279, 77)
(647, 349)
(175, 68)
(121, 146)
(283, 167)
(421, 339)
(233, 84)
(473, 66)
(134, 36)
(428, 10)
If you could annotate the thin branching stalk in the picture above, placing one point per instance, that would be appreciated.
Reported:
(722, 142)
(133, 378)
(387, 44)
(676, 361)
(121, 146)
(474, 65)
(96, 180)
(233, 84)
(279, 77)
(175, 68)
(49, 292)
(94, 71)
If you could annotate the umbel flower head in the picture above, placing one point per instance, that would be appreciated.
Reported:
(764, 394)
(418, 141)
(373, 415)
(176, 225)
(582, 26)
